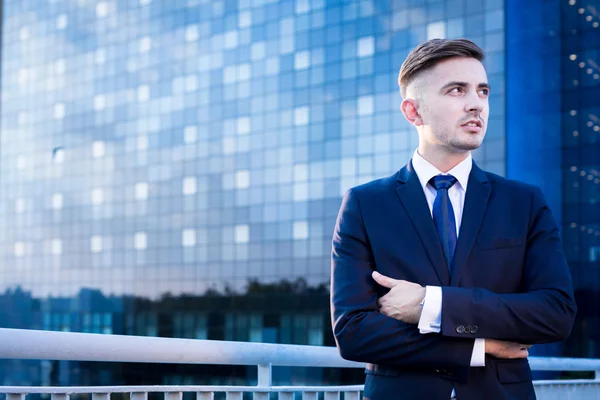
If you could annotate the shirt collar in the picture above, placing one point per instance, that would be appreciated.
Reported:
(425, 171)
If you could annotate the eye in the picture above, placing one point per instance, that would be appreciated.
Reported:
(485, 92)
(457, 89)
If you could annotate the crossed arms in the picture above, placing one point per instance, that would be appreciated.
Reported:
(543, 312)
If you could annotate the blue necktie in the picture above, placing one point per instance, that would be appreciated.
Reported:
(443, 215)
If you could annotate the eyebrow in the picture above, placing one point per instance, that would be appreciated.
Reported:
(482, 85)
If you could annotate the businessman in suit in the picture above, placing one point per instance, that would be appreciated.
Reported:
(443, 275)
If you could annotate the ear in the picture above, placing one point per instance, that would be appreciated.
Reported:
(409, 108)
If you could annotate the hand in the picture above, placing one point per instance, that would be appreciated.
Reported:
(502, 349)
(403, 301)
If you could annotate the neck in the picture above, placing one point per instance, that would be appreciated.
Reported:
(441, 159)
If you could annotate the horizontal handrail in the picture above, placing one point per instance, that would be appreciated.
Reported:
(186, 388)
(72, 346)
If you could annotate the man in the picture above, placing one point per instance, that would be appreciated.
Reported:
(443, 274)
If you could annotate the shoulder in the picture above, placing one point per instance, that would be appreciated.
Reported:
(515, 188)
(374, 187)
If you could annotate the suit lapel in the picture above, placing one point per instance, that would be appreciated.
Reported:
(478, 193)
(412, 197)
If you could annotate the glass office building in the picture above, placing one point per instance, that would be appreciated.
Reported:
(167, 167)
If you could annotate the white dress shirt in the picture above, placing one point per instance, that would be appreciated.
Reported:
(431, 317)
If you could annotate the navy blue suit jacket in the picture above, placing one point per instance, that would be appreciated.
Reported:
(510, 281)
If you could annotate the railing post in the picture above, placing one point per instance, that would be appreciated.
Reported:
(265, 380)
(265, 376)
(21, 396)
(597, 375)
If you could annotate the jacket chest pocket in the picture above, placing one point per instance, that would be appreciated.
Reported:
(487, 243)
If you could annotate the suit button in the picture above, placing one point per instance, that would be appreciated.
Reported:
(474, 329)
(460, 329)
(468, 329)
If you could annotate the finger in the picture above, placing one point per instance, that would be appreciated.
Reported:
(384, 280)
(526, 346)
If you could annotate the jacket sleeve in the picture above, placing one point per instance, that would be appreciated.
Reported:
(361, 332)
(543, 312)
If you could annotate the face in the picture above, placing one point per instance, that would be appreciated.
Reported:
(449, 105)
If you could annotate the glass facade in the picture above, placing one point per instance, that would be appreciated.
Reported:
(169, 168)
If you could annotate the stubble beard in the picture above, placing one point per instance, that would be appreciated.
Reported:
(458, 145)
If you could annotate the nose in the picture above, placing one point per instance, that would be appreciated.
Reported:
(475, 104)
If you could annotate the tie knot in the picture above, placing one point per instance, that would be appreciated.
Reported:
(442, 182)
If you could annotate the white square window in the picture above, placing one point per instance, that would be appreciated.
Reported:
(301, 116)
(24, 33)
(145, 44)
(436, 30)
(300, 191)
(141, 191)
(366, 46)
(21, 162)
(189, 185)
(244, 19)
(302, 6)
(228, 145)
(56, 247)
(99, 102)
(286, 45)
(20, 206)
(19, 249)
(61, 22)
(57, 201)
(229, 74)
(243, 126)
(190, 134)
(98, 149)
(101, 9)
(300, 173)
(140, 241)
(272, 66)
(364, 105)
(244, 73)
(191, 83)
(22, 118)
(143, 93)
(231, 40)
(188, 238)
(302, 60)
(258, 51)
(142, 143)
(60, 66)
(59, 111)
(242, 234)
(22, 76)
(97, 196)
(96, 244)
(242, 179)
(100, 56)
(191, 33)
(300, 230)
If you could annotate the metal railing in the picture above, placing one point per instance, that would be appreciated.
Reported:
(50, 345)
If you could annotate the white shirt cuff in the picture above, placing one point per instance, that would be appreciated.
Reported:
(478, 356)
(431, 316)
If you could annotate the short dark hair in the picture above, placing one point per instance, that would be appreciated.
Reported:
(429, 53)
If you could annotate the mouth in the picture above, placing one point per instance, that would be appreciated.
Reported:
(472, 123)
(472, 126)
